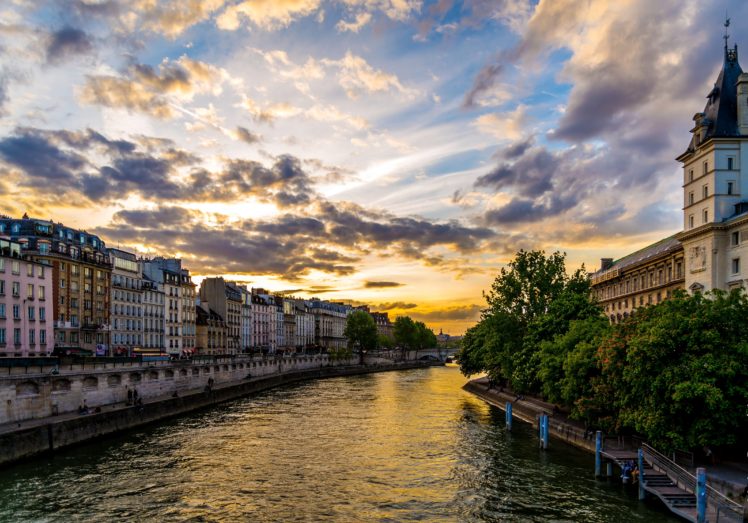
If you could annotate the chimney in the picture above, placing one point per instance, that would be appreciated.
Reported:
(743, 104)
(606, 263)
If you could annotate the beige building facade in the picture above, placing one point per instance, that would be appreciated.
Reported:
(711, 252)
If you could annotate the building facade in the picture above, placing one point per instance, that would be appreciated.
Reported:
(81, 280)
(126, 303)
(225, 298)
(329, 323)
(154, 310)
(26, 320)
(211, 334)
(712, 249)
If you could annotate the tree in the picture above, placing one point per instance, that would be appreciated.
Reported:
(425, 337)
(385, 342)
(361, 332)
(677, 373)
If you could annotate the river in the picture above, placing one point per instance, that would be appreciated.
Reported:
(394, 446)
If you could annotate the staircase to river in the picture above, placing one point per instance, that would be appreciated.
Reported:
(676, 487)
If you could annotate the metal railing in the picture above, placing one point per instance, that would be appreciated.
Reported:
(725, 508)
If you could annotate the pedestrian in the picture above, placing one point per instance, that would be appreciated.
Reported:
(129, 396)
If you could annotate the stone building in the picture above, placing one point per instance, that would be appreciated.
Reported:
(329, 323)
(264, 321)
(126, 303)
(384, 325)
(179, 301)
(25, 304)
(154, 310)
(226, 299)
(645, 277)
(245, 342)
(81, 280)
(712, 249)
(211, 334)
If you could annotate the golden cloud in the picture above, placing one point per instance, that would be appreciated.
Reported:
(266, 14)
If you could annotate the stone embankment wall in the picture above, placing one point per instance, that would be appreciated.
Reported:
(529, 410)
(28, 438)
(38, 392)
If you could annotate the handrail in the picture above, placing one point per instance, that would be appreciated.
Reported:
(723, 505)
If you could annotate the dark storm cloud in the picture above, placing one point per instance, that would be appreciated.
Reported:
(382, 284)
(531, 174)
(516, 149)
(67, 42)
(525, 210)
(42, 160)
(467, 312)
(391, 305)
(164, 217)
(245, 135)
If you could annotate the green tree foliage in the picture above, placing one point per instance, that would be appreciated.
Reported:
(426, 339)
(531, 301)
(678, 372)
(385, 342)
(406, 333)
(361, 332)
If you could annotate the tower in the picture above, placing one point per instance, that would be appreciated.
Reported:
(715, 183)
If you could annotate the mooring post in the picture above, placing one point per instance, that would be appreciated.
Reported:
(508, 416)
(700, 495)
(640, 464)
(598, 451)
(609, 469)
(543, 431)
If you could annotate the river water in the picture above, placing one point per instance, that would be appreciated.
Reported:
(395, 446)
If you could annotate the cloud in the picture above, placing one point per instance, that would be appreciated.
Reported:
(394, 305)
(47, 164)
(357, 76)
(355, 26)
(266, 14)
(246, 136)
(67, 42)
(382, 284)
(504, 126)
(154, 90)
(466, 312)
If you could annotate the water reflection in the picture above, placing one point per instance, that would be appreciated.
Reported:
(403, 446)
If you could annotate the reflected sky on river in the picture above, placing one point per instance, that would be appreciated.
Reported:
(389, 447)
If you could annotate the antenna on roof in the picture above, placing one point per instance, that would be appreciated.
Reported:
(727, 24)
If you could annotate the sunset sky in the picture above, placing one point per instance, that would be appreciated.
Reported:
(393, 152)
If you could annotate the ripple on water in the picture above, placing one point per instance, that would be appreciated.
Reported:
(390, 447)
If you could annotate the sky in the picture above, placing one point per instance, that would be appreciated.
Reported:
(390, 152)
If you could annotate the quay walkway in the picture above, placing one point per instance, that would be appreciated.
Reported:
(673, 484)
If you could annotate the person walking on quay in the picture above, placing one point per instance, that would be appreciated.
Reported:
(129, 396)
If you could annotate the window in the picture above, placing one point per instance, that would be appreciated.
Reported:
(41, 293)
(706, 167)
(690, 175)
(2, 310)
(16, 312)
(16, 289)
(2, 288)
(2, 265)
(705, 191)
(690, 198)
(31, 313)
(730, 187)
(735, 265)
(730, 162)
(17, 336)
(40, 271)
(32, 340)
(29, 270)
(15, 267)
(706, 215)
(42, 314)
(62, 283)
(2, 336)
(735, 238)
(42, 337)
(30, 291)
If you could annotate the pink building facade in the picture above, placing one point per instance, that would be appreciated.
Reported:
(26, 317)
